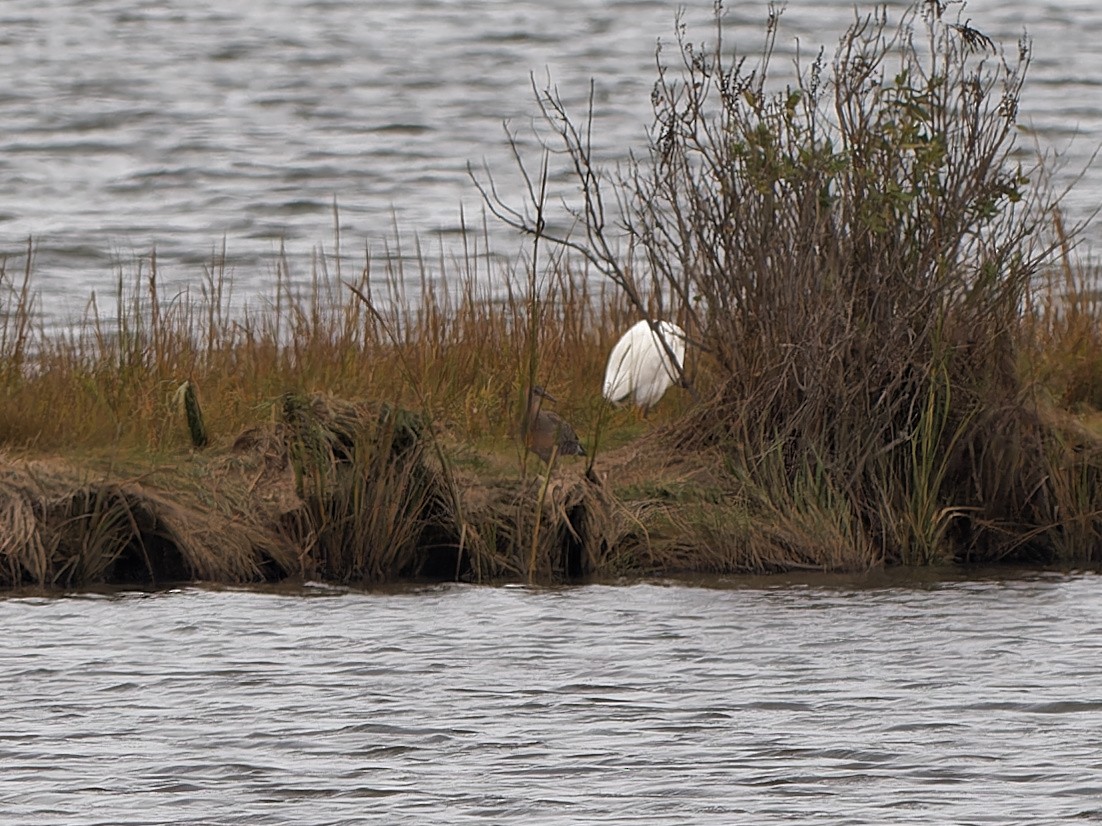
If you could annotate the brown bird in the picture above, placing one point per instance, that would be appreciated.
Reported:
(547, 430)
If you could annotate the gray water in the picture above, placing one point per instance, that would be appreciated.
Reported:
(823, 702)
(176, 124)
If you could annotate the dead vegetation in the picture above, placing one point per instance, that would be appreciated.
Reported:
(854, 248)
(888, 363)
(63, 528)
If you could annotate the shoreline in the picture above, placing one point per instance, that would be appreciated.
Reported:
(357, 495)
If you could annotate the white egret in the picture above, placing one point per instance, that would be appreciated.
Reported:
(548, 430)
(639, 366)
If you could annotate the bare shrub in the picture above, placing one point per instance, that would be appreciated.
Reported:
(851, 249)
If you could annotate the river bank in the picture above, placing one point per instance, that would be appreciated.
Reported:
(893, 352)
(363, 494)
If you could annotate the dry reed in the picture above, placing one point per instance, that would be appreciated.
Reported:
(883, 354)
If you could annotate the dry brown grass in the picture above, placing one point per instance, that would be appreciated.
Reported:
(454, 348)
(878, 373)
(306, 474)
(65, 525)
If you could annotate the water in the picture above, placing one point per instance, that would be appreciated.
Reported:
(178, 123)
(976, 701)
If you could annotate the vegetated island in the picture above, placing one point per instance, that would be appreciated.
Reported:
(893, 359)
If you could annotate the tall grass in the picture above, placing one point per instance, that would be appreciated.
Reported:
(882, 350)
(305, 373)
(449, 338)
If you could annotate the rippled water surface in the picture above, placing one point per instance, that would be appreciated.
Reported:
(177, 123)
(956, 702)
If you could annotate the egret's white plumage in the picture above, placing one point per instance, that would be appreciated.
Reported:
(639, 366)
